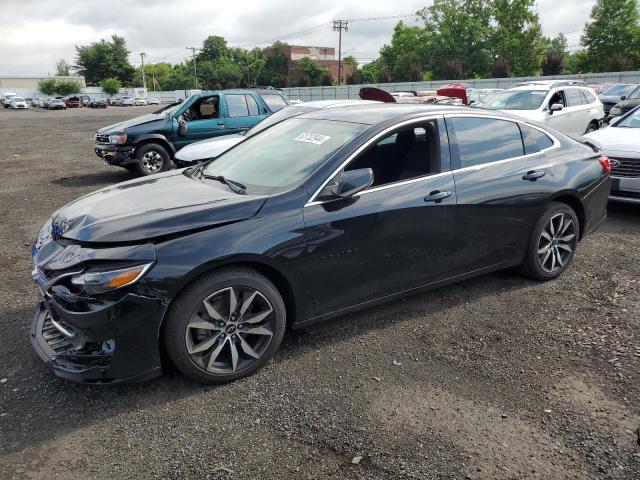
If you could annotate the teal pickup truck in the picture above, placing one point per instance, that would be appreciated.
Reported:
(147, 144)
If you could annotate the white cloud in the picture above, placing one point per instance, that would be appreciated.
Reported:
(34, 34)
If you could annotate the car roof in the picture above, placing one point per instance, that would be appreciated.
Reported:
(320, 104)
(380, 112)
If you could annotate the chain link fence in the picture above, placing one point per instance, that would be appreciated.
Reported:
(307, 94)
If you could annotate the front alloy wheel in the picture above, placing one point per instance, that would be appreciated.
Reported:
(232, 328)
(225, 325)
(151, 162)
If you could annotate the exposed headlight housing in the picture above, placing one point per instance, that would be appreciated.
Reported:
(101, 281)
(118, 139)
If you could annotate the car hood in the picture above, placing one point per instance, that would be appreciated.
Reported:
(210, 148)
(119, 127)
(609, 98)
(152, 207)
(616, 139)
(625, 104)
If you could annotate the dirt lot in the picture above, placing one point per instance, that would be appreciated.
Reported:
(496, 378)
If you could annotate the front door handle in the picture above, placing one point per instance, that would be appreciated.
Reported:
(220, 123)
(437, 196)
(533, 175)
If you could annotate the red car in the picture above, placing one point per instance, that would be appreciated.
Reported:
(73, 102)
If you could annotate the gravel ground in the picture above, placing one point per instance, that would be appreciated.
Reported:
(493, 378)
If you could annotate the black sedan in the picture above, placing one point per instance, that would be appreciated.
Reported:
(317, 216)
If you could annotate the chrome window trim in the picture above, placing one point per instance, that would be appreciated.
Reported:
(432, 116)
(556, 142)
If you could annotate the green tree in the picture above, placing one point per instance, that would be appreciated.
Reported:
(612, 36)
(457, 38)
(369, 71)
(48, 86)
(213, 49)
(251, 64)
(63, 69)
(517, 36)
(68, 87)
(312, 70)
(575, 62)
(405, 57)
(556, 51)
(110, 86)
(104, 59)
(276, 68)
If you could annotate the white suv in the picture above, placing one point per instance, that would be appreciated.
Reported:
(568, 106)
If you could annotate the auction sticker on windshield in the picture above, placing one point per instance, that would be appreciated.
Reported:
(315, 138)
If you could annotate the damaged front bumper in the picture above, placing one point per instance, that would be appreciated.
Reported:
(116, 342)
(115, 155)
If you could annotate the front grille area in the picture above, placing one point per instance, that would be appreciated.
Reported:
(628, 167)
(101, 138)
(58, 342)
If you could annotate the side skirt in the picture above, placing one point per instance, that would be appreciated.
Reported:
(405, 293)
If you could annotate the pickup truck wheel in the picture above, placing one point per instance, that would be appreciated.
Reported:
(152, 158)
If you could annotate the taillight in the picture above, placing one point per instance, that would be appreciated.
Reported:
(606, 164)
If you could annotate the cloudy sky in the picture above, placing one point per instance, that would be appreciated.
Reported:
(35, 33)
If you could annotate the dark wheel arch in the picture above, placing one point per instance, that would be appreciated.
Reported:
(274, 275)
(575, 203)
(160, 140)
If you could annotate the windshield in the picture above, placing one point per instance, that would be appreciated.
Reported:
(635, 94)
(277, 117)
(619, 90)
(284, 155)
(516, 100)
(632, 121)
(18, 99)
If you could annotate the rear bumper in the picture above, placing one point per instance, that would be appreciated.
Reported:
(595, 205)
(120, 156)
(118, 343)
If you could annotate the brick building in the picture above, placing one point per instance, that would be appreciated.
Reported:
(325, 56)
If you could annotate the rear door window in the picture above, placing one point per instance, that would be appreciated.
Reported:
(252, 105)
(237, 105)
(484, 140)
(573, 98)
(274, 101)
(534, 140)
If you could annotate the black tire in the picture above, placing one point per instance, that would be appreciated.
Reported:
(178, 330)
(537, 263)
(152, 158)
(592, 127)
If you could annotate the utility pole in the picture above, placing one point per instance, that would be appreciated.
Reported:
(338, 26)
(195, 72)
(144, 77)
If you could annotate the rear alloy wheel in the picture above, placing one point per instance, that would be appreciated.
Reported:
(152, 158)
(552, 244)
(225, 326)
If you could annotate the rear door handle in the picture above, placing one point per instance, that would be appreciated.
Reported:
(437, 196)
(533, 175)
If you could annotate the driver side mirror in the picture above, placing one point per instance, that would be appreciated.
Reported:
(556, 107)
(182, 129)
(349, 183)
